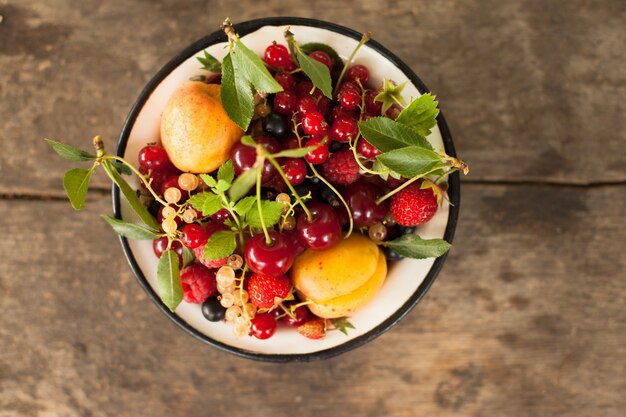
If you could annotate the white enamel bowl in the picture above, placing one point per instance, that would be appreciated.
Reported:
(407, 281)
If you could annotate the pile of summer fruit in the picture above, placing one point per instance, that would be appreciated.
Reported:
(281, 187)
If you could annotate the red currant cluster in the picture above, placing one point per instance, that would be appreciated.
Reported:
(251, 289)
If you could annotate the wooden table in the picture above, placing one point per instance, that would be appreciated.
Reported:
(527, 317)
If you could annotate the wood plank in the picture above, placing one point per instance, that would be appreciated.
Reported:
(526, 318)
(531, 91)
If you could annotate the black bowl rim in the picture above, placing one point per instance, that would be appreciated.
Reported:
(243, 29)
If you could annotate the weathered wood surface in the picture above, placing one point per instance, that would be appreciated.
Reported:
(527, 317)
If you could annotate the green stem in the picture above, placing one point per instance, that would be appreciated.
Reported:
(366, 37)
(139, 174)
(268, 240)
(329, 185)
(226, 205)
(293, 191)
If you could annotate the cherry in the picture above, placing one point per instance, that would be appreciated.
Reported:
(349, 85)
(160, 245)
(344, 129)
(285, 102)
(295, 170)
(285, 80)
(323, 57)
(193, 235)
(220, 216)
(275, 125)
(273, 259)
(318, 155)
(306, 104)
(366, 149)
(349, 99)
(372, 106)
(278, 56)
(263, 325)
(294, 238)
(153, 157)
(361, 198)
(313, 123)
(301, 314)
(324, 104)
(244, 157)
(291, 142)
(323, 231)
(303, 88)
(359, 72)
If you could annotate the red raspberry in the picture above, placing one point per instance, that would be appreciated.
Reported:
(199, 250)
(412, 206)
(341, 168)
(198, 283)
(313, 329)
(264, 289)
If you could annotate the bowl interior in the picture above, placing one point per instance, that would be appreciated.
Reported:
(401, 289)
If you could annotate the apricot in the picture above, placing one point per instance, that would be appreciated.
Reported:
(196, 132)
(342, 279)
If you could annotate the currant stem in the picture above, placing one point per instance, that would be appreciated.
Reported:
(329, 185)
(268, 240)
(142, 177)
(406, 184)
(293, 191)
(366, 37)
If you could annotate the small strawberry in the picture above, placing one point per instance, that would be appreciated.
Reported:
(209, 229)
(266, 291)
(313, 329)
(413, 206)
(341, 168)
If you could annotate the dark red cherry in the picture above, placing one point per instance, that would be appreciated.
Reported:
(361, 198)
(306, 104)
(303, 88)
(323, 231)
(160, 245)
(244, 157)
(349, 99)
(220, 216)
(313, 123)
(285, 80)
(285, 102)
(263, 325)
(366, 149)
(153, 157)
(358, 72)
(278, 56)
(193, 235)
(318, 155)
(295, 170)
(301, 316)
(269, 259)
(372, 106)
(344, 129)
(323, 57)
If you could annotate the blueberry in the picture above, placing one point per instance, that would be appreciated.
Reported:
(275, 125)
(336, 146)
(391, 255)
(212, 310)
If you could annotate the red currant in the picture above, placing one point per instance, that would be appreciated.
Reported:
(278, 56)
(359, 72)
(303, 88)
(285, 80)
(323, 57)
(324, 104)
(372, 106)
(273, 259)
(313, 123)
(317, 155)
(324, 229)
(285, 102)
(295, 170)
(338, 112)
(220, 216)
(306, 104)
(263, 325)
(366, 149)
(344, 129)
(291, 142)
(193, 235)
(349, 99)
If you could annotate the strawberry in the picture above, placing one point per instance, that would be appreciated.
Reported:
(313, 329)
(341, 168)
(413, 206)
(266, 291)
(209, 229)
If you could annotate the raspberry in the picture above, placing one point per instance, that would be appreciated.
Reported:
(264, 289)
(413, 206)
(198, 283)
(209, 229)
(341, 168)
(313, 329)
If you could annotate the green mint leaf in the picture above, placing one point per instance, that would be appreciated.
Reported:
(222, 186)
(243, 183)
(391, 94)
(388, 135)
(294, 153)
(411, 161)
(317, 72)
(420, 115)
(307, 48)
(236, 95)
(76, 183)
(168, 280)
(413, 246)
(249, 67)
(69, 152)
(130, 230)
(188, 256)
(209, 62)
(208, 180)
(244, 205)
(131, 196)
(342, 324)
(220, 245)
(121, 168)
(207, 202)
(247, 140)
(226, 172)
(271, 211)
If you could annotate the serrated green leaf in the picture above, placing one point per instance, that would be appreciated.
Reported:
(131, 196)
(168, 280)
(243, 183)
(420, 115)
(271, 211)
(307, 48)
(76, 183)
(188, 256)
(220, 245)
(411, 161)
(413, 246)
(206, 202)
(208, 180)
(294, 153)
(342, 324)
(250, 68)
(226, 172)
(317, 72)
(130, 230)
(388, 135)
(236, 95)
(121, 168)
(222, 186)
(244, 205)
(69, 152)
(248, 140)
(391, 94)
(209, 62)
